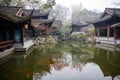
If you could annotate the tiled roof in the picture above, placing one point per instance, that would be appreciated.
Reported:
(37, 13)
(101, 19)
(116, 25)
(108, 14)
(112, 11)
(46, 21)
(80, 25)
(35, 22)
(9, 14)
(13, 9)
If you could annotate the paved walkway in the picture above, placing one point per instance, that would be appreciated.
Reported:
(6, 55)
(25, 47)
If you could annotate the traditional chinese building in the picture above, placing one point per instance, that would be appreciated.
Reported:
(15, 26)
(77, 27)
(44, 27)
(41, 22)
(107, 27)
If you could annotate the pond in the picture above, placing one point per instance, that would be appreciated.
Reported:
(64, 61)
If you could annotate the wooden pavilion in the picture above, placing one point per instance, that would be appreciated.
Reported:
(44, 27)
(15, 26)
(40, 22)
(77, 27)
(107, 27)
(37, 16)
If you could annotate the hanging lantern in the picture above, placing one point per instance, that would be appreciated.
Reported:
(26, 26)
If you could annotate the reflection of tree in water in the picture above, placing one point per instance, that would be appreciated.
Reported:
(61, 62)
(53, 55)
(80, 55)
(79, 60)
(60, 56)
(70, 54)
(22, 68)
(43, 61)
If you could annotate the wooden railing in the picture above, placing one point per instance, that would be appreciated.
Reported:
(6, 44)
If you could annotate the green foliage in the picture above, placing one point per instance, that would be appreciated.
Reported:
(46, 6)
(80, 15)
(82, 35)
(5, 2)
(49, 4)
(91, 31)
(36, 1)
(65, 30)
(50, 39)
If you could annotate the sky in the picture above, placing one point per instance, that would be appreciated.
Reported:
(99, 5)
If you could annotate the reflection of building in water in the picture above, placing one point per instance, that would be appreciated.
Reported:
(108, 61)
(58, 65)
(77, 66)
(19, 69)
(117, 77)
(36, 76)
(80, 58)
(60, 61)
(24, 67)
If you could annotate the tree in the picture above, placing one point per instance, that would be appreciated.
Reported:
(81, 15)
(49, 4)
(60, 12)
(5, 2)
(76, 10)
(38, 4)
(116, 2)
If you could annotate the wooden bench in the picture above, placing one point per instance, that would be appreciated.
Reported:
(6, 44)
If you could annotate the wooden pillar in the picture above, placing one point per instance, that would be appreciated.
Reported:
(98, 32)
(108, 31)
(22, 34)
(115, 34)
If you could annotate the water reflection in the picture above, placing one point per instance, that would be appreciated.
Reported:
(67, 61)
(108, 61)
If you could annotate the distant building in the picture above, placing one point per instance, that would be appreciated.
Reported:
(78, 28)
(107, 27)
(15, 25)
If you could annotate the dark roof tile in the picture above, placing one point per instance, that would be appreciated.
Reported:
(4, 10)
(80, 25)
(46, 21)
(37, 13)
(108, 14)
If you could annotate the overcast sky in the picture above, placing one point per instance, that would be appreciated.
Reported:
(89, 4)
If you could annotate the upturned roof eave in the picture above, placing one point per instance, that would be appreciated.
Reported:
(110, 11)
(82, 25)
(14, 18)
(116, 25)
